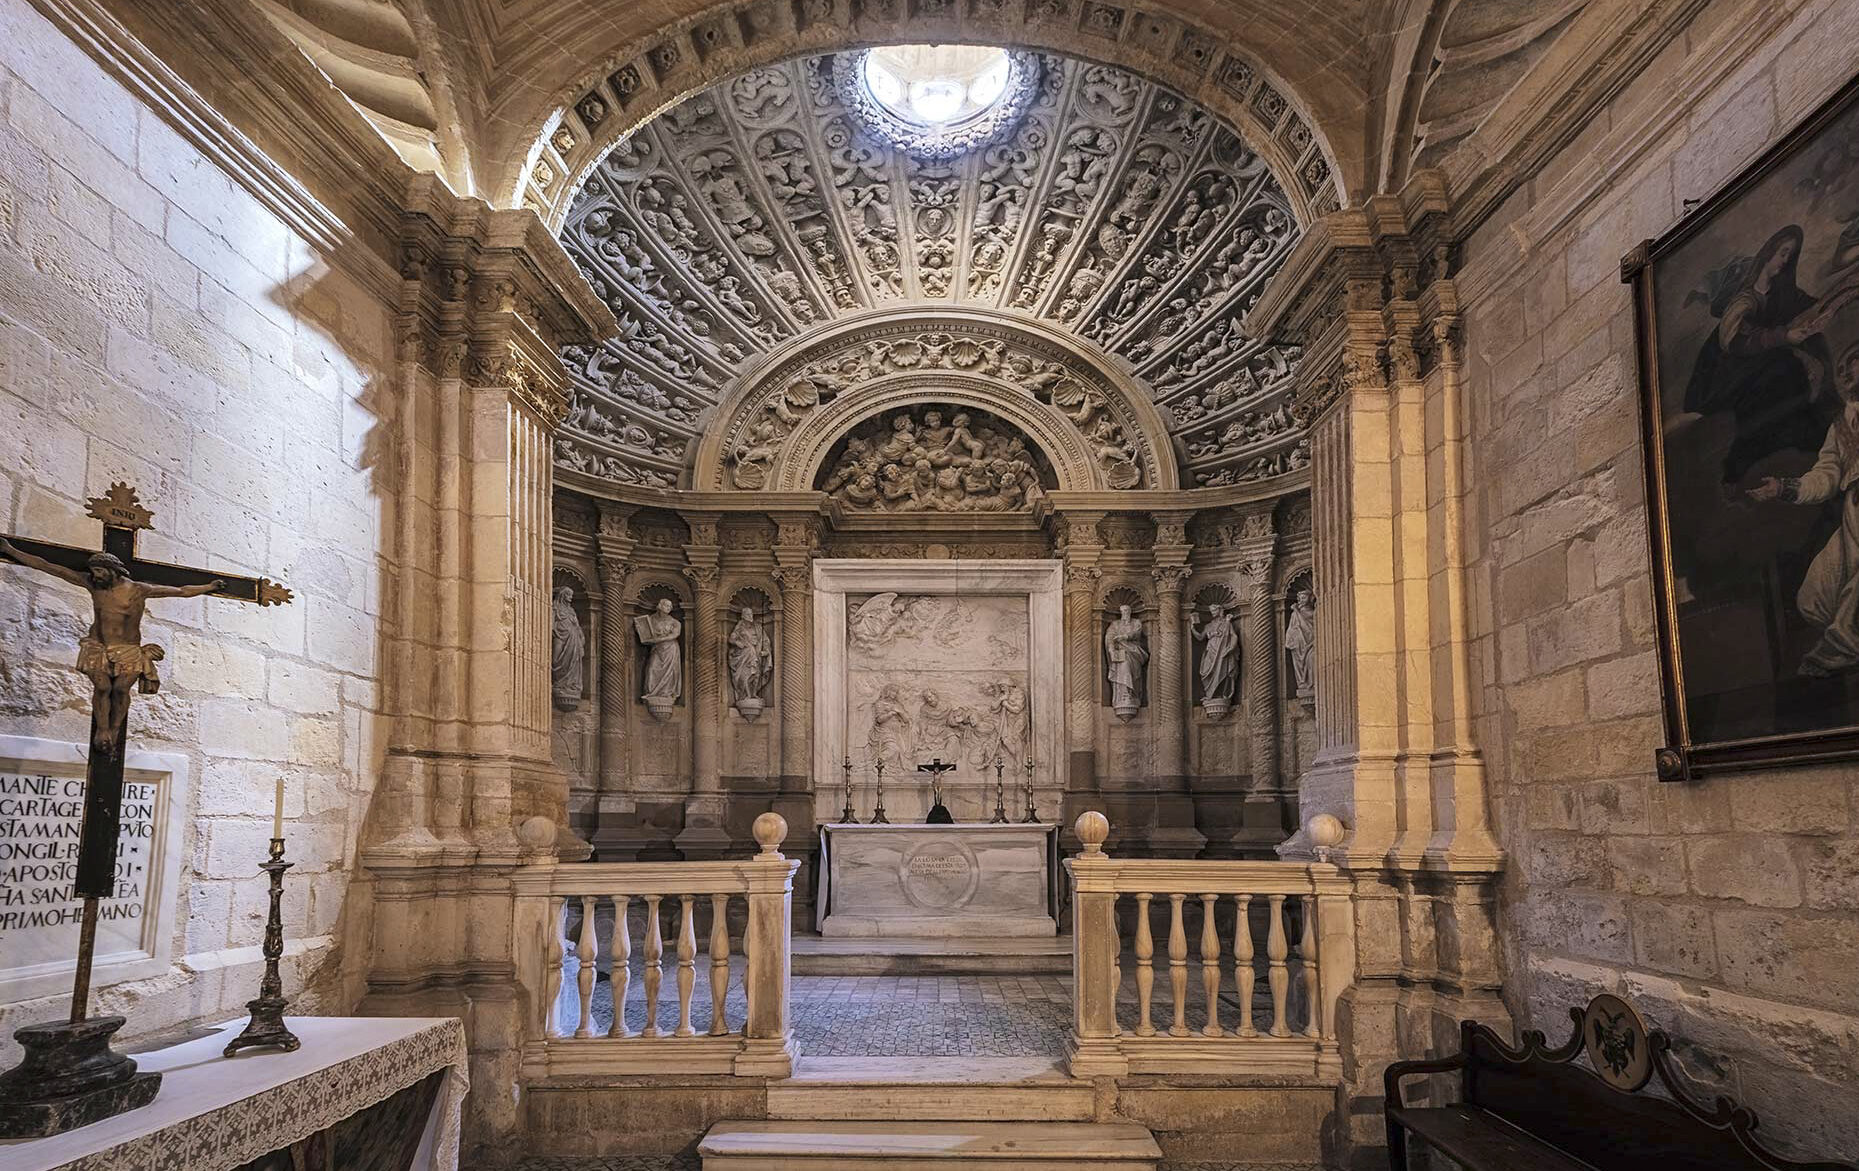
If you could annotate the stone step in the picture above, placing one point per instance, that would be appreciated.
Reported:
(930, 1089)
(906, 956)
(928, 1146)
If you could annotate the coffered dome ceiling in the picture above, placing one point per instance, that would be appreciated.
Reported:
(1091, 239)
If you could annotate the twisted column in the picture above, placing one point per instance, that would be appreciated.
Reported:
(1166, 677)
(796, 671)
(615, 673)
(706, 682)
(1261, 680)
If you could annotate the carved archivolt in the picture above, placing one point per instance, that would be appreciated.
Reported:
(1096, 430)
(1117, 222)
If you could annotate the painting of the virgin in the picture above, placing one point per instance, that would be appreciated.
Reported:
(1748, 314)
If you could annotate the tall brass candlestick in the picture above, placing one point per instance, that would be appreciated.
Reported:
(267, 1024)
(1032, 814)
(1000, 794)
(846, 816)
(877, 813)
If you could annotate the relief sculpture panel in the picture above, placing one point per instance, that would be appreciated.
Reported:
(938, 676)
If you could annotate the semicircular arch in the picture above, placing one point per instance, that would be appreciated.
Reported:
(1077, 404)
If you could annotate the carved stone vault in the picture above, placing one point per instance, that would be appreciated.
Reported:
(774, 265)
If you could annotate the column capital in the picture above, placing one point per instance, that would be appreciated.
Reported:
(1169, 579)
(702, 577)
(794, 580)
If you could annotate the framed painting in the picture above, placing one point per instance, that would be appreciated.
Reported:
(1748, 327)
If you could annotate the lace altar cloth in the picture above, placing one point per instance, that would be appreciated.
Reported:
(217, 1112)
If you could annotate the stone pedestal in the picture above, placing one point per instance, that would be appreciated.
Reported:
(965, 880)
(70, 1077)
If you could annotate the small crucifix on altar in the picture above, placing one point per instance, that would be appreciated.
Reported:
(69, 1076)
(939, 813)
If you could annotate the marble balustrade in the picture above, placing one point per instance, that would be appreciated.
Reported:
(1294, 920)
(759, 1044)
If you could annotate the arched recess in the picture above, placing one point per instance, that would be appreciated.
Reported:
(1303, 120)
(802, 397)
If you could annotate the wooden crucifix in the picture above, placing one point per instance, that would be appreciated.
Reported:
(939, 813)
(117, 662)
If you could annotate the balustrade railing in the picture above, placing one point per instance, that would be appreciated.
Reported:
(1290, 921)
(567, 1039)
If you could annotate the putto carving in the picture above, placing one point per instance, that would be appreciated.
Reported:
(935, 460)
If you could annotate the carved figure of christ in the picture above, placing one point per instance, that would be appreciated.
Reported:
(117, 662)
(935, 769)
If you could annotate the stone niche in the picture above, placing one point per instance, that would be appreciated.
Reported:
(915, 660)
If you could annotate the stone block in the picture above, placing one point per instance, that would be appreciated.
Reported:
(1583, 630)
(1750, 868)
(1673, 937)
(1564, 860)
(1648, 866)
(1549, 701)
(1830, 872)
(1592, 926)
(1533, 585)
(1808, 959)
(1614, 807)
(303, 689)
(242, 729)
(1627, 686)
(1701, 808)
(1811, 801)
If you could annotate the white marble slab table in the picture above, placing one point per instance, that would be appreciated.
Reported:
(966, 880)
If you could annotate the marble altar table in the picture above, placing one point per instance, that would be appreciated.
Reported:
(217, 1112)
(968, 879)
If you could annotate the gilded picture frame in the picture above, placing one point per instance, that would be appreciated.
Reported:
(1749, 397)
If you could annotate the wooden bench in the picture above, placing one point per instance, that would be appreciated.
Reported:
(1536, 1109)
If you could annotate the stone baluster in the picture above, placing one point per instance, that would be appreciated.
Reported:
(584, 978)
(1145, 966)
(654, 953)
(1178, 965)
(768, 1038)
(1307, 967)
(719, 963)
(1166, 678)
(1210, 967)
(1243, 975)
(552, 970)
(622, 974)
(1279, 974)
(687, 964)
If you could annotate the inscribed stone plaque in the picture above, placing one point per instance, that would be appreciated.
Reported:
(939, 875)
(41, 809)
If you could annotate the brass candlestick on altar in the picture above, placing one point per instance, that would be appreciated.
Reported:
(1032, 814)
(846, 816)
(267, 1024)
(877, 813)
(1000, 794)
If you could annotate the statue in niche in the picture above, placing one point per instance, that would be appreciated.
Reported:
(1124, 649)
(664, 668)
(1301, 641)
(567, 652)
(751, 663)
(934, 460)
(1219, 657)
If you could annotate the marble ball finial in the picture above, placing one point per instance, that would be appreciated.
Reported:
(1325, 830)
(1093, 827)
(536, 833)
(770, 829)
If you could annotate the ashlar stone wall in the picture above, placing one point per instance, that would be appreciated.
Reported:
(158, 325)
(1724, 908)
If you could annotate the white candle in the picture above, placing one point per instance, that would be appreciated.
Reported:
(277, 812)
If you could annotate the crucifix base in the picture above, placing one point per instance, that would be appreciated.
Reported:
(939, 815)
(70, 1077)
